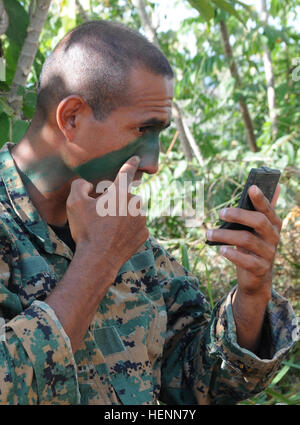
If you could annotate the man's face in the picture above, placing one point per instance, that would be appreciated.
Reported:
(102, 147)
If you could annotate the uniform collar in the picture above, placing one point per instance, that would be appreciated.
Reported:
(24, 208)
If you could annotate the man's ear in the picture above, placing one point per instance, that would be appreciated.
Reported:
(69, 112)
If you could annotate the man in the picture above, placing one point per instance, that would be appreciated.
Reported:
(96, 312)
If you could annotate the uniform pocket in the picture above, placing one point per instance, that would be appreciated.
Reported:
(108, 340)
(37, 281)
(34, 265)
(137, 262)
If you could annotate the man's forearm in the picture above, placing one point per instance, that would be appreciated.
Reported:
(76, 298)
(248, 312)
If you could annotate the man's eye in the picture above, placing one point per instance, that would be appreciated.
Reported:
(143, 130)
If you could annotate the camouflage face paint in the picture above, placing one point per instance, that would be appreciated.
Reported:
(47, 174)
(108, 166)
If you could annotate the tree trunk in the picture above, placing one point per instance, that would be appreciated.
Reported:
(187, 141)
(146, 21)
(269, 74)
(37, 19)
(184, 141)
(234, 73)
(81, 11)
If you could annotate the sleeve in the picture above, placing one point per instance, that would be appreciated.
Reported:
(36, 360)
(202, 361)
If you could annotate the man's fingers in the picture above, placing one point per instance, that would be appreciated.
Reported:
(129, 168)
(81, 187)
(255, 219)
(262, 204)
(255, 265)
(244, 239)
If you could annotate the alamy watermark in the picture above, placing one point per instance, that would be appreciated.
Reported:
(185, 200)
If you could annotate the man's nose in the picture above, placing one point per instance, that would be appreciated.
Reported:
(149, 168)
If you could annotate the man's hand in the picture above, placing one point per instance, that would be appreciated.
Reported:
(254, 257)
(103, 245)
(115, 238)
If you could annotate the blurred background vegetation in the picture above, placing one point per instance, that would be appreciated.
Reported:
(237, 106)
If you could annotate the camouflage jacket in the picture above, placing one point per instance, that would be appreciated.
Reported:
(152, 338)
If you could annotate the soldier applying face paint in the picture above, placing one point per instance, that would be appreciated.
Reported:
(96, 311)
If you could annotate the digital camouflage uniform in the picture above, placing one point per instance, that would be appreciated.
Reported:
(152, 338)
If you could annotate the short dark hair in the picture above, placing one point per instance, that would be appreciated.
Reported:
(94, 61)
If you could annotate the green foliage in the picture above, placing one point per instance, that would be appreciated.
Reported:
(5, 128)
(208, 96)
(15, 34)
(19, 128)
(204, 7)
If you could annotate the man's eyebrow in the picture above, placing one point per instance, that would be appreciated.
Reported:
(155, 122)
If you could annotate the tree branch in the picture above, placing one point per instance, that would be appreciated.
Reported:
(81, 11)
(28, 52)
(235, 74)
(187, 141)
(146, 21)
(269, 74)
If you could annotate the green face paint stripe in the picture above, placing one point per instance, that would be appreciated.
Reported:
(47, 174)
(107, 166)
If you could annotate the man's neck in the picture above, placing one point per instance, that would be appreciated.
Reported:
(46, 179)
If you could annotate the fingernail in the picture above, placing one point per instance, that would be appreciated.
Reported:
(223, 213)
(209, 235)
(256, 190)
(136, 159)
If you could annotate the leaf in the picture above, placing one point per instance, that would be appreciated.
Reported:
(288, 363)
(228, 8)
(272, 34)
(180, 169)
(275, 7)
(4, 107)
(18, 21)
(184, 256)
(4, 128)
(278, 397)
(38, 63)
(290, 151)
(280, 375)
(11, 56)
(245, 6)
(204, 8)
(29, 104)
(18, 130)
(209, 287)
